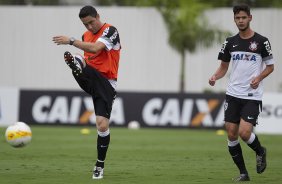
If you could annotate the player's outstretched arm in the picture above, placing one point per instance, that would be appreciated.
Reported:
(89, 46)
(61, 40)
(85, 46)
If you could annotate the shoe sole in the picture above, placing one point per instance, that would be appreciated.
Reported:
(245, 179)
(97, 178)
(69, 59)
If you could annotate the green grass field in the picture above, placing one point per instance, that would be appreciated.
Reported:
(61, 155)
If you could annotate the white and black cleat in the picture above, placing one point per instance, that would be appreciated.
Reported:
(76, 63)
(261, 161)
(98, 173)
(241, 178)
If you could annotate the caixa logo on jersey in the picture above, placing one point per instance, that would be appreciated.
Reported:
(63, 108)
(243, 57)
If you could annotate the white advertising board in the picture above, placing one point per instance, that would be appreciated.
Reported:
(270, 120)
(9, 104)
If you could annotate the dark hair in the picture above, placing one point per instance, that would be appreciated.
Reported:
(241, 7)
(87, 11)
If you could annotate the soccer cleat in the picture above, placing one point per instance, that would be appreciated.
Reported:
(261, 161)
(80, 61)
(98, 173)
(75, 63)
(241, 178)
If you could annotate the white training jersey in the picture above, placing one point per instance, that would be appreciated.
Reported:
(248, 58)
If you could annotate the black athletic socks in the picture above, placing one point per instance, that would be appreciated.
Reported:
(256, 146)
(102, 147)
(99, 164)
(237, 156)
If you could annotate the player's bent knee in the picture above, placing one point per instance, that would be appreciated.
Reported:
(232, 135)
(245, 135)
(102, 128)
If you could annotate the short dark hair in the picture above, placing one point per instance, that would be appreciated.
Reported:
(241, 7)
(87, 11)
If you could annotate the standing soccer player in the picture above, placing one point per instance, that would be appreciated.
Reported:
(252, 61)
(96, 73)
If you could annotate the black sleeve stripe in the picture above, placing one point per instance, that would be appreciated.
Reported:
(111, 33)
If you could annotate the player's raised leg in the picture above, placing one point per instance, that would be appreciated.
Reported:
(76, 62)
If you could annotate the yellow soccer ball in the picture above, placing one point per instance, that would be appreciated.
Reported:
(18, 135)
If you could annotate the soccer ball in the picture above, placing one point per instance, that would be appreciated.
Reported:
(133, 125)
(18, 135)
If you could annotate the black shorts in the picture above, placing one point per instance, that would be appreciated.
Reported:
(237, 108)
(102, 92)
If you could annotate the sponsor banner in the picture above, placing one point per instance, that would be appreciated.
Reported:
(149, 109)
(270, 120)
(175, 110)
(9, 99)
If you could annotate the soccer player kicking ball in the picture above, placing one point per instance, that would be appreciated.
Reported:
(252, 61)
(96, 73)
